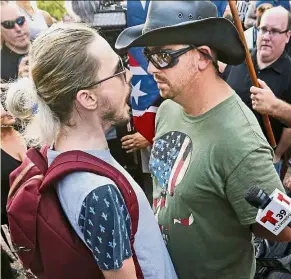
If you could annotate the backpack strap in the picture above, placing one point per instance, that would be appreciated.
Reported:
(72, 161)
(33, 158)
(39, 158)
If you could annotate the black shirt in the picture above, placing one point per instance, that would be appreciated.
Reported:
(277, 76)
(8, 164)
(9, 63)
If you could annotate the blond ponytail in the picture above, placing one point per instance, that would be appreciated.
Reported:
(41, 126)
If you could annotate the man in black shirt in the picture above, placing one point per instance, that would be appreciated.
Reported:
(273, 66)
(15, 32)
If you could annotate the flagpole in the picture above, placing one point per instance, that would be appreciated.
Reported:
(253, 75)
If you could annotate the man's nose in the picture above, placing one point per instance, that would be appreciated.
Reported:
(267, 36)
(17, 27)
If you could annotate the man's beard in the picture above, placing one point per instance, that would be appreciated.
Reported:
(116, 120)
(111, 116)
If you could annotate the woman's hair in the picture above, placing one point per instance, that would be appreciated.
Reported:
(59, 64)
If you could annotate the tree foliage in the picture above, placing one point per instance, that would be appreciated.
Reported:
(54, 8)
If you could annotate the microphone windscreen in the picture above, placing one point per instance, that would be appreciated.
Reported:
(253, 196)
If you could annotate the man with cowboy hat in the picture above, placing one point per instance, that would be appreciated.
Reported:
(208, 148)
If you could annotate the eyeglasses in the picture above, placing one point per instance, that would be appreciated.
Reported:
(10, 24)
(272, 32)
(164, 59)
(120, 69)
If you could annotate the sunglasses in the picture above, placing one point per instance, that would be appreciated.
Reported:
(10, 24)
(164, 59)
(120, 70)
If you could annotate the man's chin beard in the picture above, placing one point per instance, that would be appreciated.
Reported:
(116, 120)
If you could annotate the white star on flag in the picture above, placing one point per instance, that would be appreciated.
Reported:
(136, 92)
(143, 3)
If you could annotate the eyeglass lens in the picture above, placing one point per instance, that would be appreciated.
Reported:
(123, 69)
(272, 32)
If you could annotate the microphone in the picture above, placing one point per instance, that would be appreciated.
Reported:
(274, 211)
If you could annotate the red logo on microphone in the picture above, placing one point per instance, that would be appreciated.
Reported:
(269, 218)
(281, 198)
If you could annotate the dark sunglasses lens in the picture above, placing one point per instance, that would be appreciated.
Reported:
(162, 59)
(20, 21)
(9, 24)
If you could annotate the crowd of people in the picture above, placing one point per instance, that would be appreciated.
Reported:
(63, 87)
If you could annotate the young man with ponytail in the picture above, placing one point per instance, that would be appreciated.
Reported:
(81, 89)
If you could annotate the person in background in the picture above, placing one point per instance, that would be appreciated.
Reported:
(82, 11)
(67, 18)
(251, 33)
(15, 33)
(250, 19)
(229, 17)
(287, 178)
(37, 20)
(273, 66)
(242, 8)
(13, 151)
(265, 102)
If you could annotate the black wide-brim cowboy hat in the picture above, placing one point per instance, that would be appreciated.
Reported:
(186, 22)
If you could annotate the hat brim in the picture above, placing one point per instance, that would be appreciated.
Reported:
(217, 33)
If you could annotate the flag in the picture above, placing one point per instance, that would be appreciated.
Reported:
(221, 6)
(145, 97)
(283, 3)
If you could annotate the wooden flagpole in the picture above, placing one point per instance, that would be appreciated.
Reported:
(253, 75)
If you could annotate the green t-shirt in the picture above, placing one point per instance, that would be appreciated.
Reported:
(202, 168)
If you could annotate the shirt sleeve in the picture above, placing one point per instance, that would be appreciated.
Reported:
(256, 169)
(105, 223)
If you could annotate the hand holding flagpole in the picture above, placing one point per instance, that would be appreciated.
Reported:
(253, 75)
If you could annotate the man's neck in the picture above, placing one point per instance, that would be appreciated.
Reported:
(81, 137)
(205, 97)
(262, 65)
(16, 49)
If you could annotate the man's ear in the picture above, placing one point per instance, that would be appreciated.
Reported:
(87, 99)
(204, 61)
(288, 36)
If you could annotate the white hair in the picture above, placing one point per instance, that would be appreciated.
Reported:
(24, 103)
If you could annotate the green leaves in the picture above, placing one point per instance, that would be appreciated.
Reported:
(55, 8)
